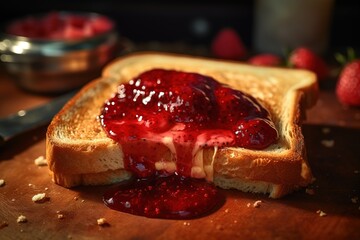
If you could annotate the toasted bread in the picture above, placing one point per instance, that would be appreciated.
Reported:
(79, 152)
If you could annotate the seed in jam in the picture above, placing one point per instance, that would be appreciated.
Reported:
(161, 118)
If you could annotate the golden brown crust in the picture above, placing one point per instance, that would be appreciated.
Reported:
(100, 178)
(77, 146)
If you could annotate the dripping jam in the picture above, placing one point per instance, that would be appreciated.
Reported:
(163, 119)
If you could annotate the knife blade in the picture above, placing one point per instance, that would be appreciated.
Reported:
(26, 120)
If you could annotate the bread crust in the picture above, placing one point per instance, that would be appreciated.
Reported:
(79, 152)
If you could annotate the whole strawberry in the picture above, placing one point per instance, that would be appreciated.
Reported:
(305, 58)
(265, 59)
(348, 85)
(227, 44)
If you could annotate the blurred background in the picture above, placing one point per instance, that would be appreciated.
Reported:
(264, 26)
(197, 23)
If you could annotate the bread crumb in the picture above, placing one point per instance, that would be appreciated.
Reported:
(226, 210)
(40, 198)
(76, 198)
(40, 161)
(13, 200)
(60, 216)
(328, 143)
(21, 219)
(82, 200)
(354, 200)
(248, 204)
(321, 213)
(2, 182)
(186, 223)
(257, 203)
(102, 222)
(310, 191)
(30, 185)
(46, 188)
(21, 113)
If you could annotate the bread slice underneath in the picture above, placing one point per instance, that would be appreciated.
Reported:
(79, 152)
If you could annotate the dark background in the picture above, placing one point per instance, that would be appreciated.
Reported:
(168, 21)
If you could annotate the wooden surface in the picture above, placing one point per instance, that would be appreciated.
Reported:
(336, 190)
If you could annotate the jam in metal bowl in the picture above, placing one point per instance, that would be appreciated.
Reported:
(58, 51)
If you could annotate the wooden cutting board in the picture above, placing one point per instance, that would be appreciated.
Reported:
(335, 163)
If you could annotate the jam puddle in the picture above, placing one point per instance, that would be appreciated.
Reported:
(167, 197)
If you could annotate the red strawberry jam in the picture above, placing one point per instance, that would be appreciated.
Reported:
(60, 26)
(163, 119)
(170, 197)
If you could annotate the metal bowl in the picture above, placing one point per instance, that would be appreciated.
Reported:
(55, 66)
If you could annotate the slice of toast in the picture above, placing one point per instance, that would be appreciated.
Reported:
(79, 152)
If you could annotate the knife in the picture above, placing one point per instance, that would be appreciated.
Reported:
(25, 120)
